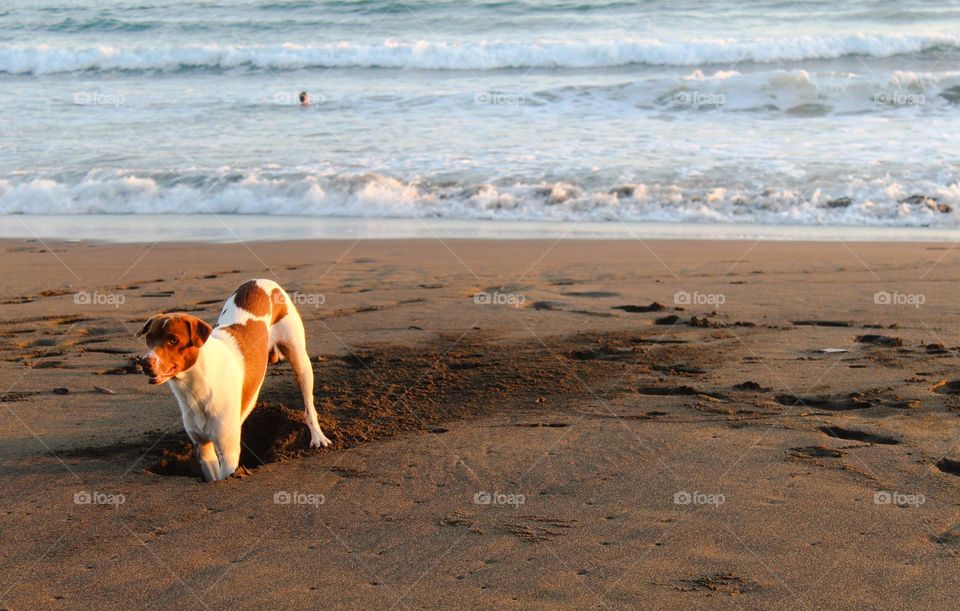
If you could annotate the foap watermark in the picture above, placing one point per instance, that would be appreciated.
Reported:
(498, 298)
(697, 99)
(698, 498)
(892, 497)
(95, 497)
(99, 299)
(498, 498)
(309, 300)
(897, 298)
(899, 98)
(499, 98)
(286, 98)
(698, 298)
(98, 98)
(282, 497)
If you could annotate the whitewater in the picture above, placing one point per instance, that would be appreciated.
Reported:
(764, 113)
(484, 55)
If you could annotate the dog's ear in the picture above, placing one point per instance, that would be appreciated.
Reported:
(145, 327)
(199, 331)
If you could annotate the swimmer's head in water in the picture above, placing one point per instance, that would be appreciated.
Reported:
(304, 98)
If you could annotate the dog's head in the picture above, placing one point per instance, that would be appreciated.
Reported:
(173, 345)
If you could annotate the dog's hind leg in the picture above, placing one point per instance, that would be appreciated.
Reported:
(291, 341)
(303, 372)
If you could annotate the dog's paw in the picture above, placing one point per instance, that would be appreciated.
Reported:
(319, 441)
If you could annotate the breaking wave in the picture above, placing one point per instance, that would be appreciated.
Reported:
(880, 202)
(484, 55)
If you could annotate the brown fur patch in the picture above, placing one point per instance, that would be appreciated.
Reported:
(253, 339)
(252, 298)
(279, 306)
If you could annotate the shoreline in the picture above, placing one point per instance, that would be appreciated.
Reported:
(225, 229)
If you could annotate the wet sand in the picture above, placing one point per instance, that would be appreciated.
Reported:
(609, 423)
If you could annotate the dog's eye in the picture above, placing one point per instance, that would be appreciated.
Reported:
(172, 341)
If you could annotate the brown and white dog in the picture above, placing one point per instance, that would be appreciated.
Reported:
(216, 373)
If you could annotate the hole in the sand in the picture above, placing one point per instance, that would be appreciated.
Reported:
(272, 433)
(406, 390)
(855, 435)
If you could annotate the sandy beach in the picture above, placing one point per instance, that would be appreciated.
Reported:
(516, 424)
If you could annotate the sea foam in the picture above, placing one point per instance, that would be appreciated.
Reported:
(483, 55)
(878, 202)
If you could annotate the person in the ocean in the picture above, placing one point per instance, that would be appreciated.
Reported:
(304, 99)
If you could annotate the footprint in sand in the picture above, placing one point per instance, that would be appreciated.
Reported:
(816, 452)
(835, 403)
(603, 354)
(879, 340)
(855, 435)
(948, 465)
(591, 294)
(945, 387)
(640, 309)
(822, 323)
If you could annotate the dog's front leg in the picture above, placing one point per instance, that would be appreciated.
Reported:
(209, 463)
(228, 450)
(206, 454)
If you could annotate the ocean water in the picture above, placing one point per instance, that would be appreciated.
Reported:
(754, 112)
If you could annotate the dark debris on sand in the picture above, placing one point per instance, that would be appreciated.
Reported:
(378, 393)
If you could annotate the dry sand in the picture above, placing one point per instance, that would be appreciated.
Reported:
(589, 416)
